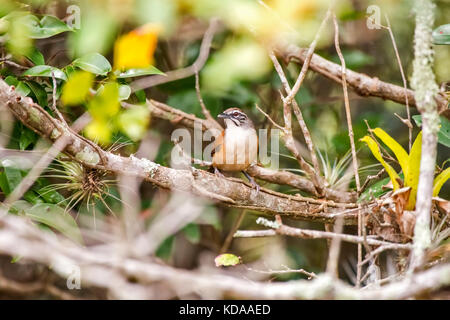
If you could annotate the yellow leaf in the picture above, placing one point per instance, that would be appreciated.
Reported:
(400, 153)
(413, 172)
(135, 50)
(133, 122)
(76, 88)
(106, 103)
(440, 180)
(377, 154)
(98, 130)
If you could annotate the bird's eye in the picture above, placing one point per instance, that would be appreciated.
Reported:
(235, 114)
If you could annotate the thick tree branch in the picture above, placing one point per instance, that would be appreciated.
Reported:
(361, 83)
(423, 81)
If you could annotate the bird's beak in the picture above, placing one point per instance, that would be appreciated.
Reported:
(223, 116)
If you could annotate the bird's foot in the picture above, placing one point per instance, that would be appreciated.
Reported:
(218, 173)
(252, 181)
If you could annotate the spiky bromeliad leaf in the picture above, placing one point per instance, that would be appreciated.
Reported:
(440, 180)
(400, 153)
(377, 154)
(413, 172)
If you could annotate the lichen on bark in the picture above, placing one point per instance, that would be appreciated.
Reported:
(424, 83)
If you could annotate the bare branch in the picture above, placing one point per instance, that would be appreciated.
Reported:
(282, 229)
(361, 83)
(347, 104)
(423, 81)
(205, 110)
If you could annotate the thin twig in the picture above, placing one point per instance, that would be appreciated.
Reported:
(347, 104)
(311, 234)
(405, 86)
(205, 110)
(370, 178)
(310, 275)
(170, 76)
(335, 249)
(297, 112)
(54, 101)
(270, 119)
(309, 55)
(13, 64)
(236, 224)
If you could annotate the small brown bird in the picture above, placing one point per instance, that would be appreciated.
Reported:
(236, 148)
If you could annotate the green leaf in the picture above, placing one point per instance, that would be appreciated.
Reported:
(76, 89)
(141, 96)
(23, 88)
(130, 73)
(4, 184)
(355, 59)
(47, 27)
(94, 63)
(16, 258)
(192, 233)
(227, 260)
(45, 71)
(50, 196)
(56, 218)
(165, 249)
(36, 56)
(39, 93)
(444, 130)
(441, 35)
(20, 86)
(124, 92)
(27, 137)
(32, 197)
(376, 190)
(19, 207)
(11, 80)
(12, 176)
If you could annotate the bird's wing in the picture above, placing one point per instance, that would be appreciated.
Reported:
(218, 142)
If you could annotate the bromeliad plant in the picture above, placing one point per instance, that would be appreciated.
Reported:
(410, 164)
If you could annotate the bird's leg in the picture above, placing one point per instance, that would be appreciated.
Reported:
(252, 181)
(218, 173)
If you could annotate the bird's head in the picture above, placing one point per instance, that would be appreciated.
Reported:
(236, 117)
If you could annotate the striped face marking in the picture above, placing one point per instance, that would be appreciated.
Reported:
(235, 117)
